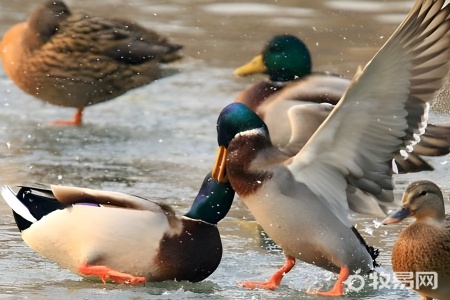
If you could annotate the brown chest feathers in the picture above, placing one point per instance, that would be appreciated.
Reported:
(245, 177)
(192, 255)
(422, 248)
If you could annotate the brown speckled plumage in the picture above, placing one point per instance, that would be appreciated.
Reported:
(422, 247)
(74, 59)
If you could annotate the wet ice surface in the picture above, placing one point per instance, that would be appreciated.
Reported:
(159, 141)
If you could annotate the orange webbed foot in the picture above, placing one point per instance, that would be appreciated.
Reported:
(274, 281)
(105, 272)
(65, 122)
(75, 121)
(268, 285)
(338, 288)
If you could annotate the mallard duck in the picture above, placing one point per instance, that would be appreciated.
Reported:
(76, 59)
(423, 246)
(300, 201)
(121, 237)
(287, 62)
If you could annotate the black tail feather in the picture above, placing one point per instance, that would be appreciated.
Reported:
(40, 202)
(21, 223)
(374, 252)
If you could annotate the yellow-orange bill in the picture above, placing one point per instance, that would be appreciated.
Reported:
(256, 65)
(218, 172)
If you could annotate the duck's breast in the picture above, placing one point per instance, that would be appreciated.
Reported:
(424, 248)
(305, 228)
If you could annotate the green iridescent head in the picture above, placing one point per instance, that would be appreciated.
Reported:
(213, 201)
(235, 118)
(286, 58)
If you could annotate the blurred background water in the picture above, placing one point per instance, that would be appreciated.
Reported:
(159, 141)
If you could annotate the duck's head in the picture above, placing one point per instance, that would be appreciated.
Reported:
(422, 200)
(44, 21)
(284, 58)
(213, 200)
(234, 119)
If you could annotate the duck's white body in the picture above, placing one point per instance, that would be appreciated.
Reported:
(326, 244)
(88, 234)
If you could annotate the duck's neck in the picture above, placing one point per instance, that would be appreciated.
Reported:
(433, 221)
(243, 154)
(255, 95)
(434, 214)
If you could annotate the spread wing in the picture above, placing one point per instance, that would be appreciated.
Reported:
(383, 111)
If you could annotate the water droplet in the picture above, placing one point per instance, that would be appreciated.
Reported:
(377, 223)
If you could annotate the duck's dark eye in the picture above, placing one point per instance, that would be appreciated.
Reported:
(275, 48)
(423, 193)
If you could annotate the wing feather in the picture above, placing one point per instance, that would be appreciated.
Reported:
(383, 111)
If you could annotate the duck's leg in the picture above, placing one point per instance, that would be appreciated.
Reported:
(77, 118)
(105, 272)
(275, 280)
(338, 288)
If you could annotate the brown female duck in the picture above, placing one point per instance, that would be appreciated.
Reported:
(424, 246)
(74, 59)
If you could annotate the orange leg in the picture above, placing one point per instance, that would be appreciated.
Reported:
(338, 288)
(105, 272)
(75, 121)
(275, 280)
